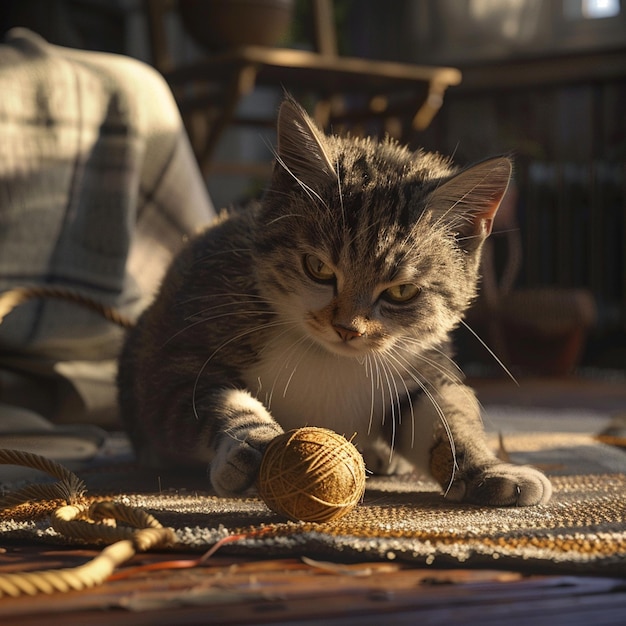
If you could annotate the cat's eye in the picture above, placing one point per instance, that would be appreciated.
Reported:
(401, 293)
(317, 269)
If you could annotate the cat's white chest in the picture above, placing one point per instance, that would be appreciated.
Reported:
(303, 385)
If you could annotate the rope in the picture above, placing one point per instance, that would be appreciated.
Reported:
(69, 487)
(13, 298)
(95, 522)
(91, 574)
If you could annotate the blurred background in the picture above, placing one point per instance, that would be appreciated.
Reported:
(542, 80)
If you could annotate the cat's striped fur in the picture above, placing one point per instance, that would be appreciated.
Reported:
(328, 303)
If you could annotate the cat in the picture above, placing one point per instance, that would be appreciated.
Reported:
(330, 303)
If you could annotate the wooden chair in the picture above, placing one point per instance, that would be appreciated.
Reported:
(374, 97)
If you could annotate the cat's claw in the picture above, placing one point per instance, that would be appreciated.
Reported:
(502, 485)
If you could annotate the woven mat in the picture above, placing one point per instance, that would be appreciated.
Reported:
(582, 530)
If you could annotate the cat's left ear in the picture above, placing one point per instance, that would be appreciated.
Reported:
(471, 198)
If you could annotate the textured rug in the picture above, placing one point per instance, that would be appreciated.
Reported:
(581, 530)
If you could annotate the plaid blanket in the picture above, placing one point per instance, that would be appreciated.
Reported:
(98, 189)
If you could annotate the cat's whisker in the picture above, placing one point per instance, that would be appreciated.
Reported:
(490, 351)
(295, 367)
(230, 432)
(411, 370)
(453, 153)
(199, 315)
(249, 331)
(438, 367)
(444, 421)
(284, 363)
(369, 373)
(453, 378)
(392, 402)
(340, 190)
(407, 393)
(286, 216)
(448, 374)
(257, 300)
(379, 387)
(212, 318)
(395, 401)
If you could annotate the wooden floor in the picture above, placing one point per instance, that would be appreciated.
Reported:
(295, 591)
(231, 591)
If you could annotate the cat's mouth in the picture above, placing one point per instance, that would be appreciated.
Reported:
(340, 342)
(346, 349)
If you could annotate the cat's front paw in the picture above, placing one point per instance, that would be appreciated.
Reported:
(236, 464)
(380, 460)
(501, 484)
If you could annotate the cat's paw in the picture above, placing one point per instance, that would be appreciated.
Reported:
(236, 464)
(501, 484)
(382, 461)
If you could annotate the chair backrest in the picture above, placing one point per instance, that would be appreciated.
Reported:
(324, 39)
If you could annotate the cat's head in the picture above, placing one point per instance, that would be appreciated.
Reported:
(366, 244)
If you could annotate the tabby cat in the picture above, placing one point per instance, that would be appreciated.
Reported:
(328, 303)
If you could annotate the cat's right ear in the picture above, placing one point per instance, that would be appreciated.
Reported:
(301, 152)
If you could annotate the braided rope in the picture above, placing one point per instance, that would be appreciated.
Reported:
(13, 298)
(138, 518)
(69, 488)
(88, 522)
(93, 573)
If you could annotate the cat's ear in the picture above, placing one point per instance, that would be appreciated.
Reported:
(471, 198)
(301, 151)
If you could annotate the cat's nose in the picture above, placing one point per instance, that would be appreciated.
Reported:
(346, 334)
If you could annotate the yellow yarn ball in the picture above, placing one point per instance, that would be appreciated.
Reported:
(311, 474)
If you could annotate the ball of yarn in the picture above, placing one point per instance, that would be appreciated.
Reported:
(311, 474)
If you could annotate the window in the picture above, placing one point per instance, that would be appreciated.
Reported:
(590, 9)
